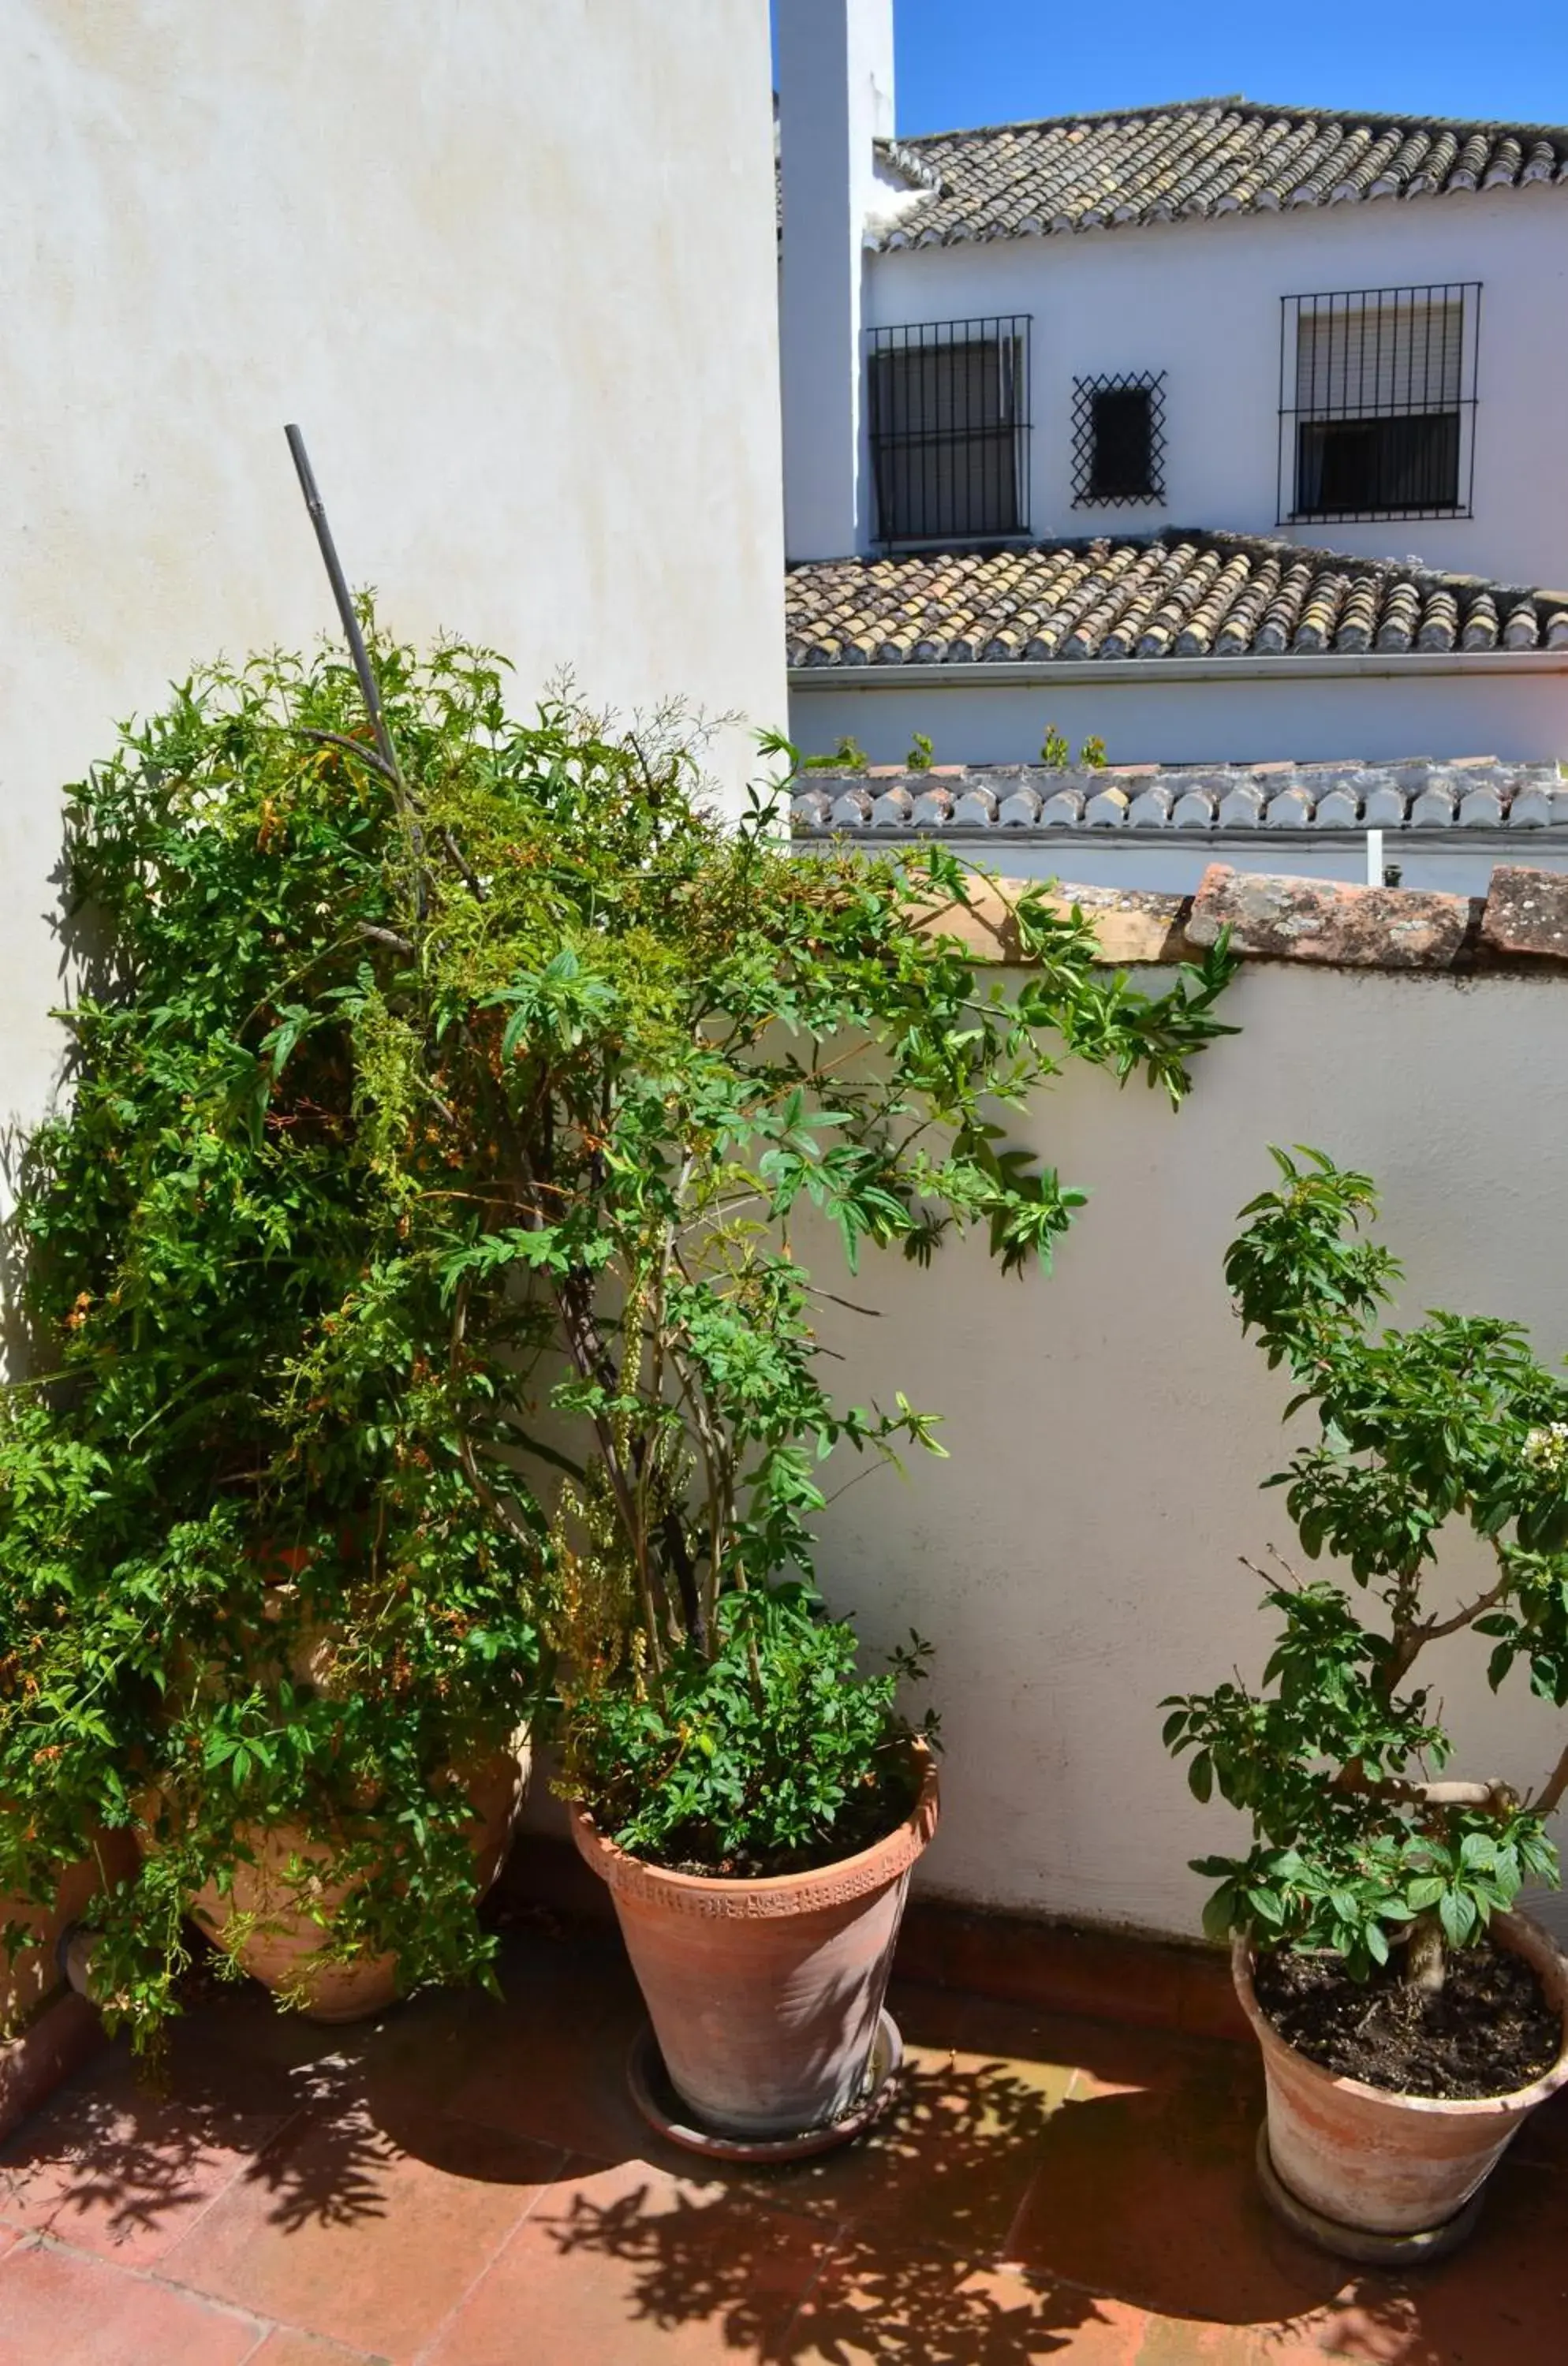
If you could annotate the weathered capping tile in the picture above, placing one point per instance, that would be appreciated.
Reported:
(1271, 917)
(1132, 927)
(1324, 920)
(1527, 913)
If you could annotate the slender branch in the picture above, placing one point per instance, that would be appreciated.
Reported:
(493, 1503)
(1435, 1630)
(386, 937)
(455, 852)
(1400, 1792)
(1555, 1787)
(370, 756)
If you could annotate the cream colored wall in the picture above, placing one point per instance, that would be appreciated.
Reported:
(1077, 1559)
(512, 266)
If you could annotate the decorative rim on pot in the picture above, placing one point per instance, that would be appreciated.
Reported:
(770, 1896)
(1515, 1931)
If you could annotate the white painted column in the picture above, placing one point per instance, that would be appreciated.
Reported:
(835, 99)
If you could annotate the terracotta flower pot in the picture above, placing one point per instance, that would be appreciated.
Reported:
(765, 1995)
(27, 1979)
(1386, 2164)
(295, 1915)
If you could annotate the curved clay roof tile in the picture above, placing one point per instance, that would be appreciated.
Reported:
(1359, 617)
(1320, 613)
(1440, 621)
(1480, 625)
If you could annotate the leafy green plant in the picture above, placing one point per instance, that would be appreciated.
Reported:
(919, 759)
(1093, 755)
(762, 1755)
(847, 756)
(1360, 1842)
(418, 1312)
(1056, 749)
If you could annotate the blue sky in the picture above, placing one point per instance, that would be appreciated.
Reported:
(968, 62)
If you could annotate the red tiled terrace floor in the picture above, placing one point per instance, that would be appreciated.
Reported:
(465, 2184)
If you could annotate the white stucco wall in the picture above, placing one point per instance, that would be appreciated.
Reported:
(1200, 301)
(1455, 860)
(1243, 711)
(511, 268)
(1077, 1559)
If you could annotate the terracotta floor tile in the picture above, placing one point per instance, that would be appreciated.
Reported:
(342, 2231)
(1145, 2188)
(1503, 2301)
(951, 2163)
(63, 2309)
(1544, 2136)
(110, 2166)
(902, 2307)
(562, 2081)
(626, 2265)
(285, 2349)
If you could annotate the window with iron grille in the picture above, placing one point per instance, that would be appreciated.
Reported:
(1118, 440)
(949, 420)
(1377, 402)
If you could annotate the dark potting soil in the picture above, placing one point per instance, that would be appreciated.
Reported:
(866, 1817)
(1490, 2031)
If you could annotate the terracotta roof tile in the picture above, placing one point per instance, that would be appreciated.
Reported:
(1195, 158)
(1418, 793)
(1187, 594)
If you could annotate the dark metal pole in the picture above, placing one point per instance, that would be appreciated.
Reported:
(370, 689)
(368, 686)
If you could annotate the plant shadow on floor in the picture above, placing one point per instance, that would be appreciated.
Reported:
(1081, 2173)
(1038, 2183)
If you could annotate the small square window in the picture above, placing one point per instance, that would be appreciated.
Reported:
(948, 429)
(1118, 440)
(1382, 423)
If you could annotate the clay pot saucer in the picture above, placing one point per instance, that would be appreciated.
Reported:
(655, 2097)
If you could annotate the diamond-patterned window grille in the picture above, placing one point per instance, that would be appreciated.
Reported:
(1118, 440)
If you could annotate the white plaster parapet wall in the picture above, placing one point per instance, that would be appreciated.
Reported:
(512, 267)
(1109, 1426)
(1220, 710)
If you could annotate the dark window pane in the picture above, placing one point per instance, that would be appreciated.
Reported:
(1121, 465)
(1378, 464)
(945, 423)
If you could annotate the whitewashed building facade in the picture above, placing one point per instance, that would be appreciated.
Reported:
(1226, 434)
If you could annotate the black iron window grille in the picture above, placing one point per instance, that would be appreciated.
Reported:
(1377, 402)
(1118, 440)
(948, 421)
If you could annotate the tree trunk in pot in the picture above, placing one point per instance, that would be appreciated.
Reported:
(1384, 2163)
(765, 1995)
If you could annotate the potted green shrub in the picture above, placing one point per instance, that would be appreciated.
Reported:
(421, 1323)
(1411, 2018)
(252, 1614)
(725, 1035)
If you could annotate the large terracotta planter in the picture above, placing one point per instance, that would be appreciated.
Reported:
(1384, 2164)
(765, 1995)
(29, 1977)
(290, 1888)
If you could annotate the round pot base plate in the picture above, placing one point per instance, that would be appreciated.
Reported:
(1361, 2243)
(655, 2097)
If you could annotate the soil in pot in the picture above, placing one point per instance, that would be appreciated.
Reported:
(1490, 2032)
